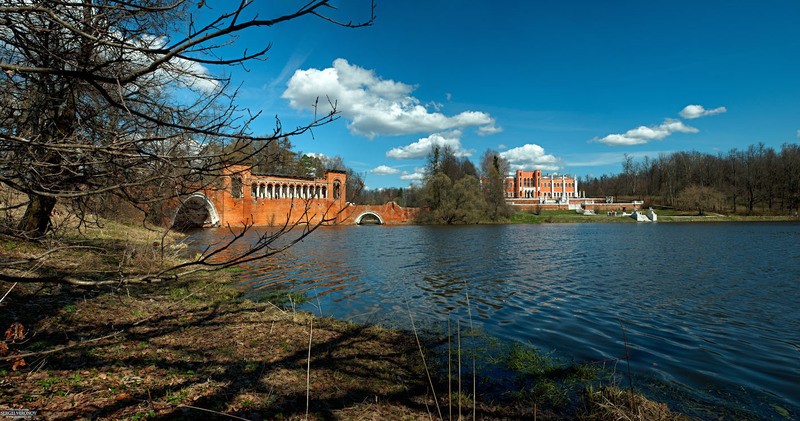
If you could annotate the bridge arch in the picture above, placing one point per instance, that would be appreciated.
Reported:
(195, 210)
(373, 214)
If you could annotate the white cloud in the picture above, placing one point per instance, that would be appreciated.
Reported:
(645, 134)
(489, 130)
(193, 75)
(384, 170)
(530, 157)
(416, 176)
(423, 147)
(190, 74)
(320, 156)
(437, 106)
(374, 106)
(697, 111)
(798, 133)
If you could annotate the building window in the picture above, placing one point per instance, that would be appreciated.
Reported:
(236, 187)
(337, 187)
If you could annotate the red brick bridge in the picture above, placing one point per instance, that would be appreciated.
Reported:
(243, 198)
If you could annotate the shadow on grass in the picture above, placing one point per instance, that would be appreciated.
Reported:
(211, 351)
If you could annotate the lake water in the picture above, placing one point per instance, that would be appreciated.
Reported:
(711, 311)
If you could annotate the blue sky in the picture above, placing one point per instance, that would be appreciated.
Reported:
(567, 86)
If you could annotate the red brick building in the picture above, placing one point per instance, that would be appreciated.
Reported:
(244, 198)
(265, 199)
(548, 187)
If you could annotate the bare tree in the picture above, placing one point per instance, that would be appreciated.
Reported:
(701, 198)
(117, 96)
(757, 177)
(129, 98)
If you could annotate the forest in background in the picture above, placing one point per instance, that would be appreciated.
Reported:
(757, 179)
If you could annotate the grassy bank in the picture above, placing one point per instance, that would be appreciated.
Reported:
(563, 216)
(670, 215)
(664, 215)
(193, 348)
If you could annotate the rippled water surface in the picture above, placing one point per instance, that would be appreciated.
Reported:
(711, 311)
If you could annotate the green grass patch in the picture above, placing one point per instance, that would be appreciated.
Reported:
(150, 414)
(529, 361)
(47, 385)
(177, 293)
(284, 298)
(177, 397)
(12, 245)
(544, 393)
(560, 217)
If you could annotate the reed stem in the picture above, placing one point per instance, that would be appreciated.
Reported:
(422, 355)
(308, 368)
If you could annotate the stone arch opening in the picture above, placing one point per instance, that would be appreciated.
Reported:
(237, 190)
(369, 217)
(196, 211)
(337, 187)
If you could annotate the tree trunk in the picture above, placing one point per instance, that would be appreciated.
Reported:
(36, 221)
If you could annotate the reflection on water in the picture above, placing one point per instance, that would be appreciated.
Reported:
(709, 309)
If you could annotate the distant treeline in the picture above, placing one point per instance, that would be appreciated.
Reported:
(754, 179)
(405, 197)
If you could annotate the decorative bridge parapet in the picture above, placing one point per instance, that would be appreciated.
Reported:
(243, 198)
(389, 213)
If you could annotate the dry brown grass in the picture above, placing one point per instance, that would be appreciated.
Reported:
(211, 351)
(612, 403)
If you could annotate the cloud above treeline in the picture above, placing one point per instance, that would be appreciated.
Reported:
(530, 156)
(375, 106)
(696, 111)
(646, 134)
(422, 147)
(384, 170)
(417, 176)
